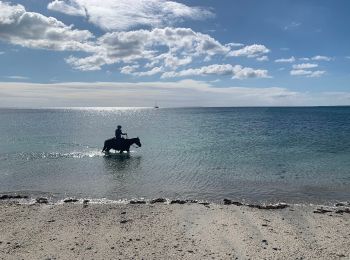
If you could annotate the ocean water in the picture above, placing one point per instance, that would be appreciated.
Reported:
(298, 155)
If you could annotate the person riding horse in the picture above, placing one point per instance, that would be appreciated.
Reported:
(118, 134)
(118, 143)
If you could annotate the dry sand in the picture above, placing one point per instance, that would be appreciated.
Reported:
(161, 231)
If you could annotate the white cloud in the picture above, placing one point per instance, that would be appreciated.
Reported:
(262, 58)
(300, 72)
(317, 73)
(307, 73)
(234, 45)
(321, 58)
(33, 30)
(151, 72)
(286, 60)
(172, 47)
(292, 25)
(154, 51)
(317, 58)
(236, 72)
(347, 57)
(17, 77)
(2, 52)
(304, 66)
(130, 69)
(250, 51)
(125, 14)
(178, 93)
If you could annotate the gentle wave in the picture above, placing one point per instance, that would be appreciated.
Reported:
(30, 156)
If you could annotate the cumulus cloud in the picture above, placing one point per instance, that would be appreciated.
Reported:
(237, 72)
(172, 47)
(33, 30)
(286, 60)
(127, 14)
(307, 73)
(129, 69)
(304, 66)
(154, 51)
(250, 51)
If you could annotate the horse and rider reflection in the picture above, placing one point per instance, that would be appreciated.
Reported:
(119, 143)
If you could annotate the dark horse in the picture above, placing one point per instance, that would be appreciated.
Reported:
(121, 145)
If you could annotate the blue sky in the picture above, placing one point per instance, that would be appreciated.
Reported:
(180, 53)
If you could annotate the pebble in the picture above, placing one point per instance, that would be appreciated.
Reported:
(158, 200)
(42, 200)
(70, 200)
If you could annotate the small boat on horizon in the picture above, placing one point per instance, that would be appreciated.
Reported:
(156, 105)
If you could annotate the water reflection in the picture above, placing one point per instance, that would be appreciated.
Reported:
(121, 163)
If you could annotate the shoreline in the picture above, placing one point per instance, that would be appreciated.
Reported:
(23, 198)
(164, 230)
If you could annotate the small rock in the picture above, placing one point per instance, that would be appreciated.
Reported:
(7, 197)
(322, 211)
(137, 202)
(178, 202)
(230, 202)
(70, 200)
(341, 211)
(159, 200)
(124, 221)
(271, 206)
(264, 241)
(339, 204)
(123, 213)
(42, 200)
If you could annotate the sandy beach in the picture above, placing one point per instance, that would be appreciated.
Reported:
(172, 231)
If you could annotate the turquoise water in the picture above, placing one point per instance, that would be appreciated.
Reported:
(251, 154)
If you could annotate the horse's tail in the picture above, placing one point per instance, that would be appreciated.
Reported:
(104, 147)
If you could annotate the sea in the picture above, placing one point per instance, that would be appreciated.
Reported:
(257, 154)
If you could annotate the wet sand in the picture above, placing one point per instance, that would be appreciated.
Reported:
(175, 231)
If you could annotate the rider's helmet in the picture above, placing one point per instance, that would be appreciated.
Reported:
(119, 126)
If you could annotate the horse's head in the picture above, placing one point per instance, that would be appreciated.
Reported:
(137, 142)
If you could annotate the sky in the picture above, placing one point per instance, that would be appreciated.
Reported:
(78, 53)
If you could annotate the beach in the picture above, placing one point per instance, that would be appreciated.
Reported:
(172, 231)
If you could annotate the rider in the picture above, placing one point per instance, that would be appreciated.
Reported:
(119, 133)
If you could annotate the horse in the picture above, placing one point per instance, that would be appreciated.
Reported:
(120, 145)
